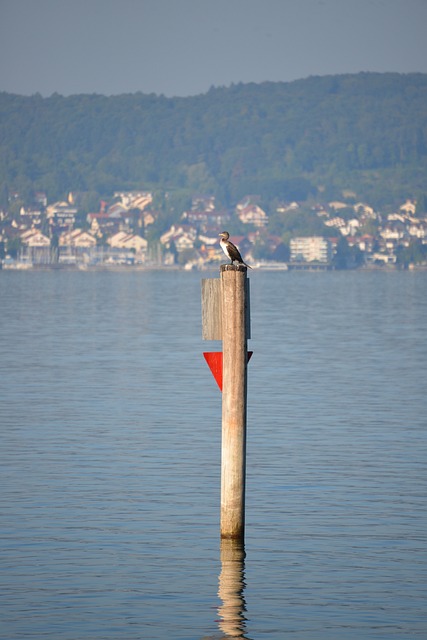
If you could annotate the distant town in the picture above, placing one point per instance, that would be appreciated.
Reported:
(353, 235)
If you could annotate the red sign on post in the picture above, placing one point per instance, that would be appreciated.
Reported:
(214, 360)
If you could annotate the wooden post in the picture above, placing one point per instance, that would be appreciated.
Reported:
(233, 451)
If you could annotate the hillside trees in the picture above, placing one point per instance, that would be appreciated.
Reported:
(367, 132)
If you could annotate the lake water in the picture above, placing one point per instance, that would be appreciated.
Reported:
(110, 459)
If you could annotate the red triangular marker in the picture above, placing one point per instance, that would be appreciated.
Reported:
(214, 360)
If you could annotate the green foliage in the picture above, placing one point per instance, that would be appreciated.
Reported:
(364, 132)
(301, 223)
(422, 204)
(347, 257)
(186, 256)
(416, 253)
(262, 251)
(13, 247)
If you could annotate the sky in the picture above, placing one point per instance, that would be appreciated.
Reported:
(184, 47)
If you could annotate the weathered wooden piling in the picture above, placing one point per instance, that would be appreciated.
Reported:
(234, 398)
(226, 317)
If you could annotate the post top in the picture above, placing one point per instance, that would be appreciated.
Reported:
(233, 267)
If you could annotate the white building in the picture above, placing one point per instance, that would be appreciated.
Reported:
(312, 249)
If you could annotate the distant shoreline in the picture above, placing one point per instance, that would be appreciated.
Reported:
(263, 267)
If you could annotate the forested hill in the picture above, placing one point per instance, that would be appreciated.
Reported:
(365, 132)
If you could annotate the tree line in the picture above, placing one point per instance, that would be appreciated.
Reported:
(365, 132)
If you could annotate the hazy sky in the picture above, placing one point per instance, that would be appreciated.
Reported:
(183, 47)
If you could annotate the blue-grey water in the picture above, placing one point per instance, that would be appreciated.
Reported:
(110, 459)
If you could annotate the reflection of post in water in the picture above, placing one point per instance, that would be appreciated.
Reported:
(231, 588)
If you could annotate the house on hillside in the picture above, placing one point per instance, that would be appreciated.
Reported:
(393, 232)
(336, 205)
(252, 214)
(203, 203)
(35, 247)
(366, 244)
(126, 248)
(179, 230)
(147, 218)
(117, 210)
(101, 224)
(204, 219)
(124, 240)
(76, 246)
(409, 207)
(31, 216)
(210, 238)
(34, 238)
(351, 227)
(337, 223)
(364, 211)
(61, 215)
(77, 238)
(176, 240)
(418, 230)
(123, 217)
(287, 207)
(134, 199)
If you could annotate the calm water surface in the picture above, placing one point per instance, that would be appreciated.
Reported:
(110, 460)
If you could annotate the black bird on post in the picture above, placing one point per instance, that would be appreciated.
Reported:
(230, 250)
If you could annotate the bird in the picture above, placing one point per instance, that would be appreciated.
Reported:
(230, 250)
